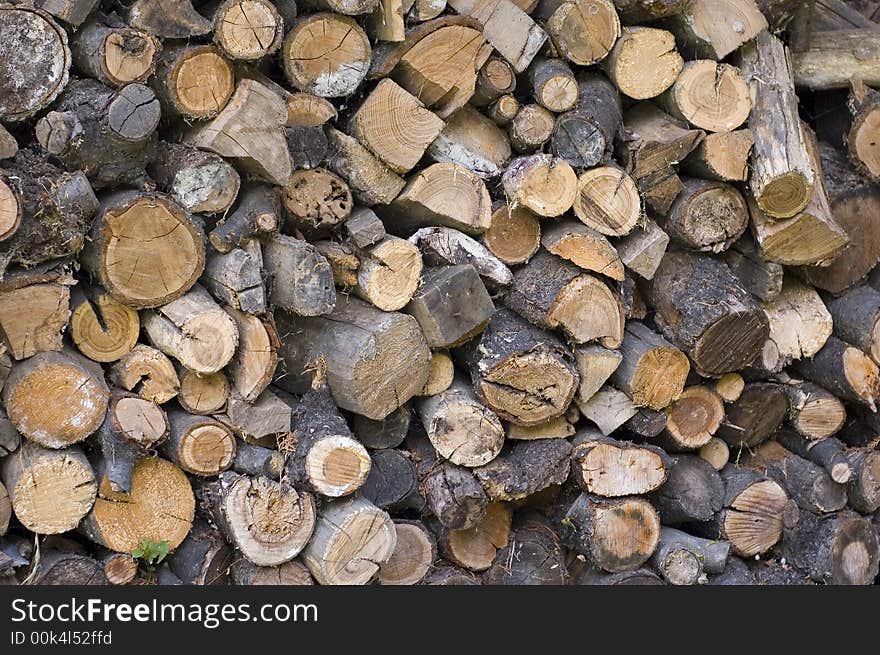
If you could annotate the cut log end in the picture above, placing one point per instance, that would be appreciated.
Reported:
(785, 195)
(693, 418)
(514, 234)
(200, 82)
(104, 329)
(608, 201)
(337, 466)
(10, 211)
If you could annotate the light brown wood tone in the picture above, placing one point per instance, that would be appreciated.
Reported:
(120, 568)
(395, 126)
(611, 468)
(147, 372)
(370, 180)
(389, 273)
(722, 156)
(692, 419)
(249, 130)
(202, 394)
(514, 234)
(386, 22)
(706, 216)
(584, 247)
(50, 490)
(729, 386)
(56, 398)
(643, 62)
(716, 452)
(307, 110)
(440, 374)
(316, 200)
(33, 317)
(413, 555)
(553, 84)
(504, 110)
(652, 371)
(715, 28)
(256, 357)
(799, 321)
(160, 506)
(199, 445)
(542, 183)
(710, 96)
(343, 262)
(608, 409)
(195, 81)
(247, 29)
(754, 518)
(102, 328)
(556, 428)
(595, 365)
(496, 78)
(475, 548)
(608, 201)
(139, 421)
(472, 140)
(10, 211)
(114, 55)
(582, 31)
(531, 128)
(326, 54)
(816, 413)
(642, 249)
(862, 140)
(837, 56)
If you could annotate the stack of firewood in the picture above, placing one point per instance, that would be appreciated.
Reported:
(439, 291)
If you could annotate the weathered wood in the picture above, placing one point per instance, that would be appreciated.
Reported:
(443, 246)
(193, 81)
(389, 273)
(715, 28)
(755, 415)
(643, 62)
(392, 481)
(652, 371)
(235, 279)
(247, 29)
(174, 20)
(316, 200)
(34, 316)
(525, 468)
(257, 212)
(844, 370)
(203, 558)
(200, 181)
(815, 412)
(722, 156)
(495, 79)
(856, 316)
(837, 56)
(300, 277)
(514, 234)
(542, 183)
(388, 432)
(147, 372)
(607, 467)
(693, 492)
(413, 555)
(113, 53)
(706, 216)
(608, 409)
(642, 250)
(583, 246)
(692, 419)
(472, 140)
(760, 277)
(581, 31)
(800, 324)
(534, 553)
(683, 559)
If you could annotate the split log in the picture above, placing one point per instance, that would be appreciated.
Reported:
(200, 181)
(352, 538)
(202, 394)
(583, 246)
(522, 373)
(714, 28)
(443, 246)
(476, 548)
(722, 156)
(193, 81)
(514, 234)
(364, 228)
(120, 521)
(585, 136)
(249, 130)
(256, 357)
(34, 316)
(257, 212)
(495, 79)
(844, 370)
(201, 446)
(472, 140)
(706, 216)
(716, 452)
(113, 53)
(581, 31)
(269, 522)
(460, 428)
(756, 414)
(653, 371)
(595, 365)
(533, 555)
(616, 534)
(35, 47)
(176, 20)
(308, 146)
(388, 432)
(248, 574)
(856, 316)
(710, 96)
(782, 177)
(236, 280)
(413, 555)
(800, 324)
(646, 423)
(261, 420)
(552, 293)
(607, 467)
(525, 468)
(760, 277)
(144, 249)
(642, 249)
(542, 183)
(683, 559)
(608, 409)
(370, 180)
(451, 305)
(108, 134)
(147, 372)
(49, 490)
(300, 277)
(203, 558)
(389, 273)
(441, 194)
(56, 399)
(395, 126)
(316, 200)
(692, 419)
(376, 360)
(327, 55)
(837, 548)
(815, 412)
(607, 200)
(392, 480)
(693, 492)
(440, 374)
(247, 29)
(643, 62)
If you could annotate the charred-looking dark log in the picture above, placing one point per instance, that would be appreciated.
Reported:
(829, 453)
(292, 573)
(203, 558)
(525, 468)
(388, 432)
(755, 415)
(683, 559)
(703, 309)
(693, 492)
(392, 481)
(533, 555)
(845, 371)
(257, 213)
(584, 137)
(836, 548)
(63, 568)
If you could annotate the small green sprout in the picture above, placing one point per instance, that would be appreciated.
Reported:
(151, 552)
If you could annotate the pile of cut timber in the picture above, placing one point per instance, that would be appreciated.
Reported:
(439, 291)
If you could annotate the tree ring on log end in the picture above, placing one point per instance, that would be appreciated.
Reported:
(786, 195)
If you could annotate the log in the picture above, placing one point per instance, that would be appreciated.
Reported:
(541, 183)
(525, 468)
(260, 421)
(533, 555)
(440, 374)
(376, 361)
(363, 228)
(413, 555)
(477, 547)
(202, 394)
(203, 558)
(514, 234)
(716, 452)
(683, 559)
(33, 317)
(595, 365)
(460, 428)
(782, 178)
(247, 29)
(326, 55)
(352, 538)
(712, 29)
(616, 534)
(177, 20)
(844, 370)
(144, 249)
(722, 156)
(581, 31)
(557, 428)
(257, 213)
(49, 490)
(235, 279)
(395, 126)
(120, 521)
(693, 492)
(300, 277)
(757, 413)
(67, 568)
(652, 371)
(503, 110)
(294, 573)
(451, 305)
(611, 468)
(316, 200)
(261, 152)
(193, 81)
(269, 522)
(386, 22)
(692, 419)
(585, 136)
(201, 446)
(860, 140)
(308, 146)
(443, 246)
(815, 412)
(863, 489)
(389, 274)
(800, 324)
(835, 549)
(523, 374)
(56, 399)
(642, 249)
(762, 278)
(729, 386)
(254, 460)
(553, 84)
(103, 329)
(638, 11)
(441, 194)
(388, 432)
(583, 246)
(327, 459)
(856, 316)
(113, 53)
(147, 372)
(608, 409)
(72, 12)
(837, 56)
(710, 96)
(8, 145)
(35, 47)
(495, 79)
(194, 330)
(706, 216)
(472, 140)
(551, 292)
(119, 568)
(200, 181)
(392, 480)
(254, 363)
(607, 200)
(643, 62)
